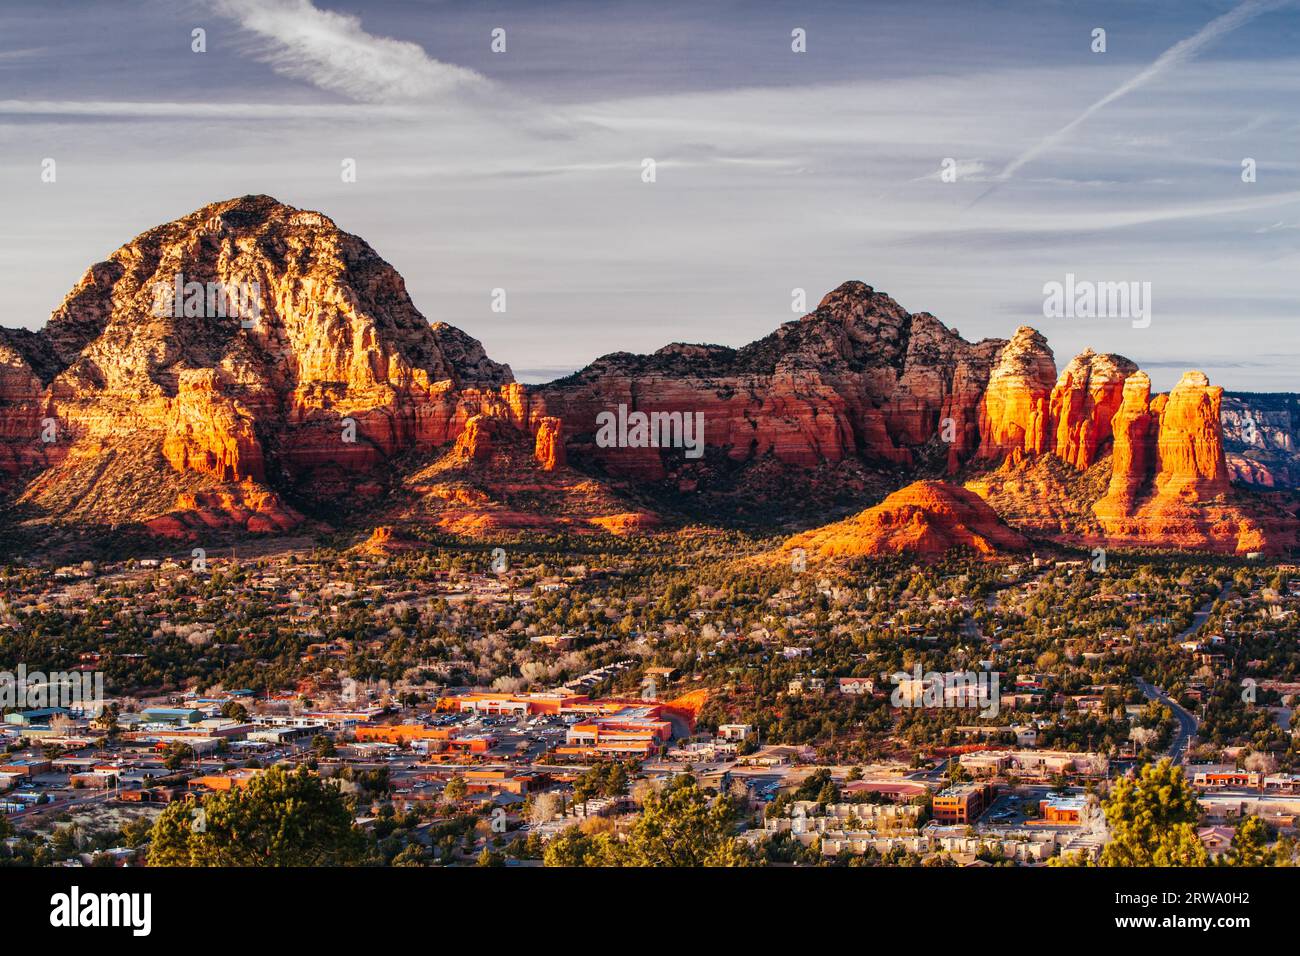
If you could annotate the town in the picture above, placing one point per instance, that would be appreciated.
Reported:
(472, 710)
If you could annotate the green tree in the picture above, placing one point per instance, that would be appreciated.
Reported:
(455, 790)
(681, 826)
(177, 754)
(572, 847)
(136, 833)
(489, 857)
(233, 710)
(1152, 818)
(1250, 844)
(280, 819)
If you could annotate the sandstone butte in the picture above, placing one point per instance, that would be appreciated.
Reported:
(341, 392)
(926, 519)
(136, 392)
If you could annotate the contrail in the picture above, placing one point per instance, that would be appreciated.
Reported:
(1174, 56)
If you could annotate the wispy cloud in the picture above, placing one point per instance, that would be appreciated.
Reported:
(332, 51)
(191, 111)
(1177, 54)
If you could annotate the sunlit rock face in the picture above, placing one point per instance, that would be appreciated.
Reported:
(926, 519)
(251, 362)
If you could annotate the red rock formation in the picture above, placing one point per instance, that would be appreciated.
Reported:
(475, 442)
(242, 507)
(1169, 477)
(1013, 414)
(630, 522)
(548, 448)
(1085, 399)
(1132, 457)
(336, 388)
(858, 377)
(210, 433)
(328, 348)
(385, 539)
(926, 519)
(1190, 447)
(23, 409)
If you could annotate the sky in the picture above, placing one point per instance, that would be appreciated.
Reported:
(774, 170)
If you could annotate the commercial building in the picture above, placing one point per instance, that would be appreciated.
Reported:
(631, 732)
(962, 803)
(1062, 810)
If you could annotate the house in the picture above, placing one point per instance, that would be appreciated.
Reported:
(857, 685)
(1217, 840)
(735, 731)
(1220, 776)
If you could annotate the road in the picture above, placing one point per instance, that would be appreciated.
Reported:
(1187, 723)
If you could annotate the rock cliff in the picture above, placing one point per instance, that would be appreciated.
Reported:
(250, 363)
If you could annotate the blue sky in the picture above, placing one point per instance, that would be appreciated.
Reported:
(775, 170)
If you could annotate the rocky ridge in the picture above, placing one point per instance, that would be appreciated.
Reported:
(336, 391)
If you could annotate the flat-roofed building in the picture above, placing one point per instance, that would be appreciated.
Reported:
(1062, 809)
(633, 731)
(962, 803)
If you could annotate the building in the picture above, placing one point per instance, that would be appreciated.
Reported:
(962, 803)
(396, 733)
(485, 702)
(235, 780)
(171, 715)
(1062, 810)
(632, 732)
(495, 780)
(893, 790)
(985, 763)
(735, 731)
(1222, 776)
(857, 685)
(1035, 764)
(40, 716)
(101, 778)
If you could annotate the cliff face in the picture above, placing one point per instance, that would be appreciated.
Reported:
(1169, 481)
(1261, 435)
(252, 354)
(247, 342)
(1013, 415)
(1190, 445)
(857, 377)
(23, 408)
(1083, 403)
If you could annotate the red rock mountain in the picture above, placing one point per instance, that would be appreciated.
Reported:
(324, 391)
(926, 519)
(335, 376)
(858, 377)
